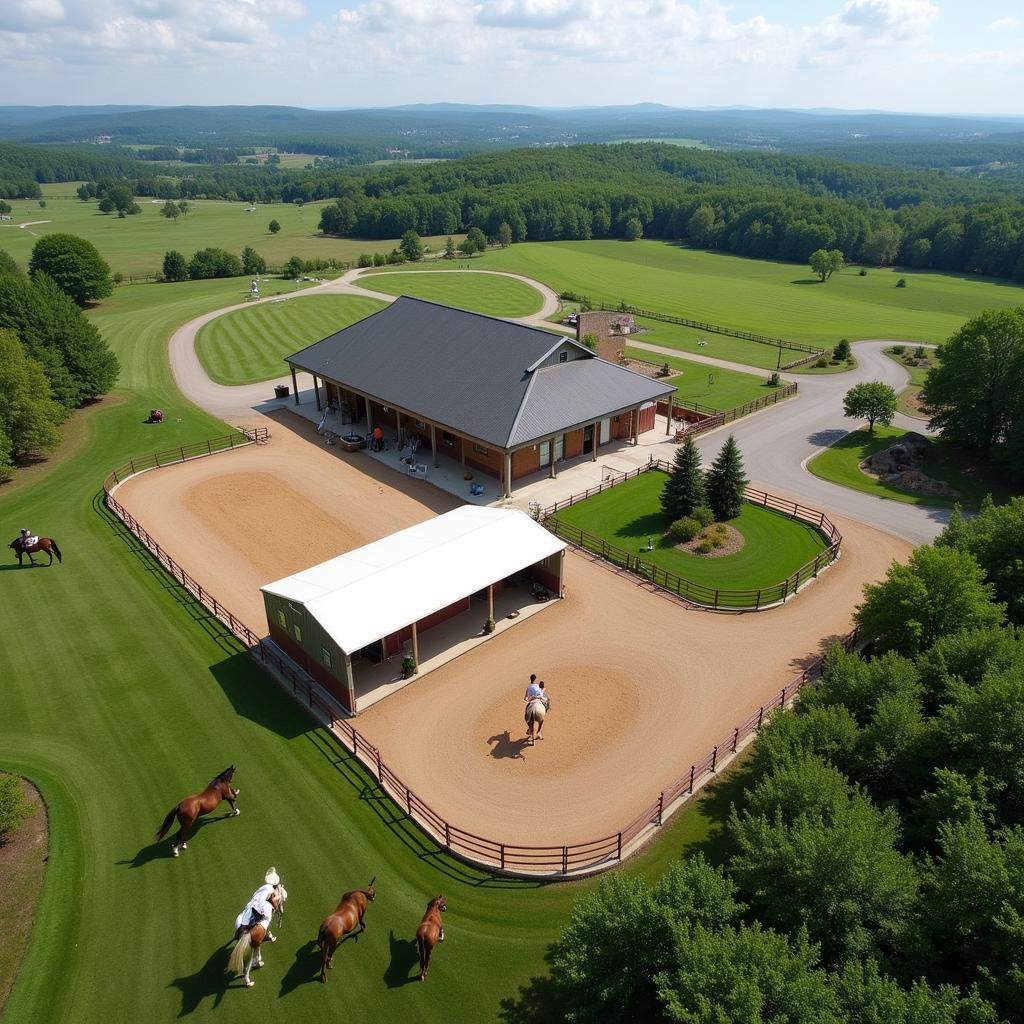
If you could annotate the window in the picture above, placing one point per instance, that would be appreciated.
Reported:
(481, 450)
(563, 357)
(449, 440)
(297, 630)
(282, 619)
(326, 655)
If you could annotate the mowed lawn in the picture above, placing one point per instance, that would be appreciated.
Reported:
(481, 293)
(777, 299)
(249, 345)
(711, 386)
(629, 514)
(121, 696)
(136, 244)
(719, 346)
(840, 464)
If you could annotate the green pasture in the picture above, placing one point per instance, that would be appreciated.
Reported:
(629, 514)
(121, 696)
(249, 345)
(778, 299)
(136, 244)
(908, 396)
(481, 293)
(840, 464)
(708, 385)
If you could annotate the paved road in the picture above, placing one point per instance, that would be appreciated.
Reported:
(776, 443)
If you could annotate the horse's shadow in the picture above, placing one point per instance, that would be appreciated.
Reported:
(305, 968)
(161, 848)
(502, 745)
(404, 957)
(209, 981)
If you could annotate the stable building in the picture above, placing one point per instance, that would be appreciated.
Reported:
(502, 398)
(426, 591)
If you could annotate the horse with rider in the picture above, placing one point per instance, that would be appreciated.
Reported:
(252, 926)
(537, 703)
(28, 543)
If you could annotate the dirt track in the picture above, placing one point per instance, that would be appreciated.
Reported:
(641, 686)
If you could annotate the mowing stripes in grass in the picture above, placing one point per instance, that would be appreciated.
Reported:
(481, 293)
(629, 514)
(249, 345)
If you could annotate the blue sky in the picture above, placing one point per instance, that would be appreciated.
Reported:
(923, 55)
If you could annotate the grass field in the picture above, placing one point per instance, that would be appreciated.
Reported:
(136, 245)
(908, 396)
(629, 514)
(124, 696)
(481, 293)
(777, 299)
(711, 386)
(841, 464)
(249, 345)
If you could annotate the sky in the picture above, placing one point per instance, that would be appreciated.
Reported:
(907, 55)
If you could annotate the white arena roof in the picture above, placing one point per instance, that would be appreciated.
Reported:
(378, 589)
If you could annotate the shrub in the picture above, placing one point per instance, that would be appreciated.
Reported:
(665, 371)
(14, 808)
(898, 350)
(705, 547)
(489, 625)
(408, 667)
(719, 528)
(717, 540)
(703, 515)
(685, 529)
(901, 283)
(842, 350)
(591, 341)
(365, 260)
(117, 278)
(863, 272)
(919, 352)
(821, 362)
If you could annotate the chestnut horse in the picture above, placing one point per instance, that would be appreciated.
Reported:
(346, 916)
(201, 803)
(430, 932)
(250, 929)
(47, 544)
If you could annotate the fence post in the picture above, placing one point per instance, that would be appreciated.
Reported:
(565, 860)
(693, 768)
(501, 853)
(447, 835)
(757, 603)
(408, 808)
(661, 805)
(735, 738)
(380, 776)
(714, 758)
(716, 599)
(116, 480)
(619, 854)
(760, 717)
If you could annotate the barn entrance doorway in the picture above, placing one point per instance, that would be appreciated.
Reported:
(588, 439)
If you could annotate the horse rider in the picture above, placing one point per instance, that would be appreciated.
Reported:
(28, 540)
(259, 910)
(535, 691)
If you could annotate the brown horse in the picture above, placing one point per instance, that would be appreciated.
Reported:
(252, 926)
(346, 916)
(47, 544)
(430, 932)
(201, 803)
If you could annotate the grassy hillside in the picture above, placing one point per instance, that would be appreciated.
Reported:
(481, 293)
(136, 244)
(778, 299)
(121, 696)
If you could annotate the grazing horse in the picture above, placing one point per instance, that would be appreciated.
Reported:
(201, 803)
(252, 926)
(430, 932)
(346, 916)
(47, 544)
(535, 712)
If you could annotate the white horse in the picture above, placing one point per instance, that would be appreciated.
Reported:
(536, 709)
(252, 925)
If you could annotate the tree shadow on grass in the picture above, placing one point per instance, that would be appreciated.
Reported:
(404, 957)
(716, 801)
(827, 438)
(304, 969)
(652, 525)
(210, 981)
(539, 1001)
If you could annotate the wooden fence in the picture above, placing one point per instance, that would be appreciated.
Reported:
(509, 858)
(713, 418)
(717, 599)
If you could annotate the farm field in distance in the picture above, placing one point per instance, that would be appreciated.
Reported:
(481, 293)
(249, 345)
(136, 244)
(778, 299)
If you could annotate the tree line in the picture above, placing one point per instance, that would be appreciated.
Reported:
(52, 359)
(871, 866)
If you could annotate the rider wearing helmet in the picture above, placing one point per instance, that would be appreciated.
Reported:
(27, 539)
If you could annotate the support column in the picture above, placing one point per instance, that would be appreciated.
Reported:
(490, 600)
(508, 474)
(668, 418)
(597, 441)
(561, 573)
(552, 467)
(295, 385)
(415, 647)
(351, 684)
(398, 426)
(369, 425)
(433, 444)
(634, 422)
(316, 392)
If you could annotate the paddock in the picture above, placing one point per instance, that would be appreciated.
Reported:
(641, 685)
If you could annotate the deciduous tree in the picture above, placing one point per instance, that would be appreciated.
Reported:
(75, 264)
(29, 417)
(504, 235)
(825, 262)
(175, 266)
(253, 262)
(871, 400)
(273, 227)
(411, 246)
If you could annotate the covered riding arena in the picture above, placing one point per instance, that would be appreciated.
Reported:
(640, 685)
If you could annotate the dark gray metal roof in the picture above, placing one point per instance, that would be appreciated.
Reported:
(471, 372)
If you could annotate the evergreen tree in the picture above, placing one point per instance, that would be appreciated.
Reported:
(28, 413)
(449, 248)
(726, 482)
(684, 489)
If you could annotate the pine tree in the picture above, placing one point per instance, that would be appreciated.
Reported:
(726, 482)
(684, 490)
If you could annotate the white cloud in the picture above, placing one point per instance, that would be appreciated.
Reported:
(865, 25)
(1003, 25)
(535, 14)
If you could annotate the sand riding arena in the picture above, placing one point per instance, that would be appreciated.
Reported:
(641, 685)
